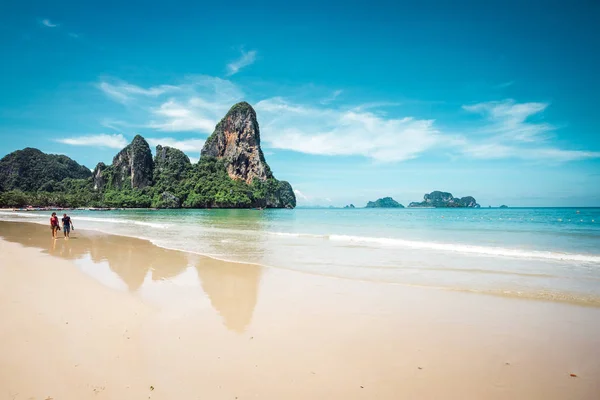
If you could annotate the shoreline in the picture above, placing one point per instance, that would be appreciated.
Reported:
(565, 297)
(115, 316)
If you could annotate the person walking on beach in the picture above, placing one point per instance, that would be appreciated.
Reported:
(54, 225)
(67, 225)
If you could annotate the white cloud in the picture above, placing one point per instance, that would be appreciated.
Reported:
(331, 131)
(49, 24)
(306, 200)
(301, 195)
(509, 133)
(561, 155)
(74, 35)
(125, 92)
(509, 119)
(331, 97)
(116, 141)
(186, 145)
(552, 154)
(177, 117)
(195, 105)
(506, 130)
(247, 58)
(504, 85)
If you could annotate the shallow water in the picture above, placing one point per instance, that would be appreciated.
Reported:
(543, 253)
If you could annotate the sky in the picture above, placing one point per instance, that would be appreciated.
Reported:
(355, 100)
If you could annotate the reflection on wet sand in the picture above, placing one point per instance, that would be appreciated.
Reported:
(231, 287)
(131, 259)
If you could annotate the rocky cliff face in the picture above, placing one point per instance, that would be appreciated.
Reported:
(386, 202)
(439, 199)
(133, 165)
(282, 197)
(170, 164)
(237, 140)
(99, 176)
(468, 201)
(232, 173)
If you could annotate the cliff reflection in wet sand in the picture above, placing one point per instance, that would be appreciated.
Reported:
(232, 288)
(129, 258)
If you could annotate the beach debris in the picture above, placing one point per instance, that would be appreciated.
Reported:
(362, 387)
(420, 367)
(98, 389)
(507, 363)
(573, 375)
(151, 388)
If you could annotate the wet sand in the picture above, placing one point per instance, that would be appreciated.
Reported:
(108, 317)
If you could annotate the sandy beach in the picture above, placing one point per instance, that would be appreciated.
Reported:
(109, 317)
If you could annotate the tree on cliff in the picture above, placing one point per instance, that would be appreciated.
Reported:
(232, 172)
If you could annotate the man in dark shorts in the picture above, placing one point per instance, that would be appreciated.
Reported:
(67, 225)
(54, 225)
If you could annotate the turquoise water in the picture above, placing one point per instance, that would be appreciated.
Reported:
(545, 253)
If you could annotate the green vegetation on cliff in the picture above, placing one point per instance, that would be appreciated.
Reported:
(386, 202)
(439, 199)
(236, 176)
(30, 170)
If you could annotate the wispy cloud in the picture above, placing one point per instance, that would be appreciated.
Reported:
(504, 85)
(186, 145)
(506, 129)
(195, 105)
(331, 97)
(301, 195)
(74, 35)
(329, 131)
(49, 24)
(124, 92)
(247, 58)
(176, 117)
(509, 119)
(508, 132)
(116, 141)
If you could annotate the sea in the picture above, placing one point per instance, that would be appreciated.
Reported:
(548, 254)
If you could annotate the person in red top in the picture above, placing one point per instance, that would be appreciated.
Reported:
(54, 224)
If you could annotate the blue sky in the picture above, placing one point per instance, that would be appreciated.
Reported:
(356, 100)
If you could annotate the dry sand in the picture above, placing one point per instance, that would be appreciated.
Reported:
(108, 317)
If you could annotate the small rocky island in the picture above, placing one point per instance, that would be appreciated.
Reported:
(350, 206)
(386, 202)
(439, 199)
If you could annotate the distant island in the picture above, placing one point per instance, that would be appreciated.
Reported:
(350, 206)
(439, 199)
(386, 202)
(232, 173)
(503, 206)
